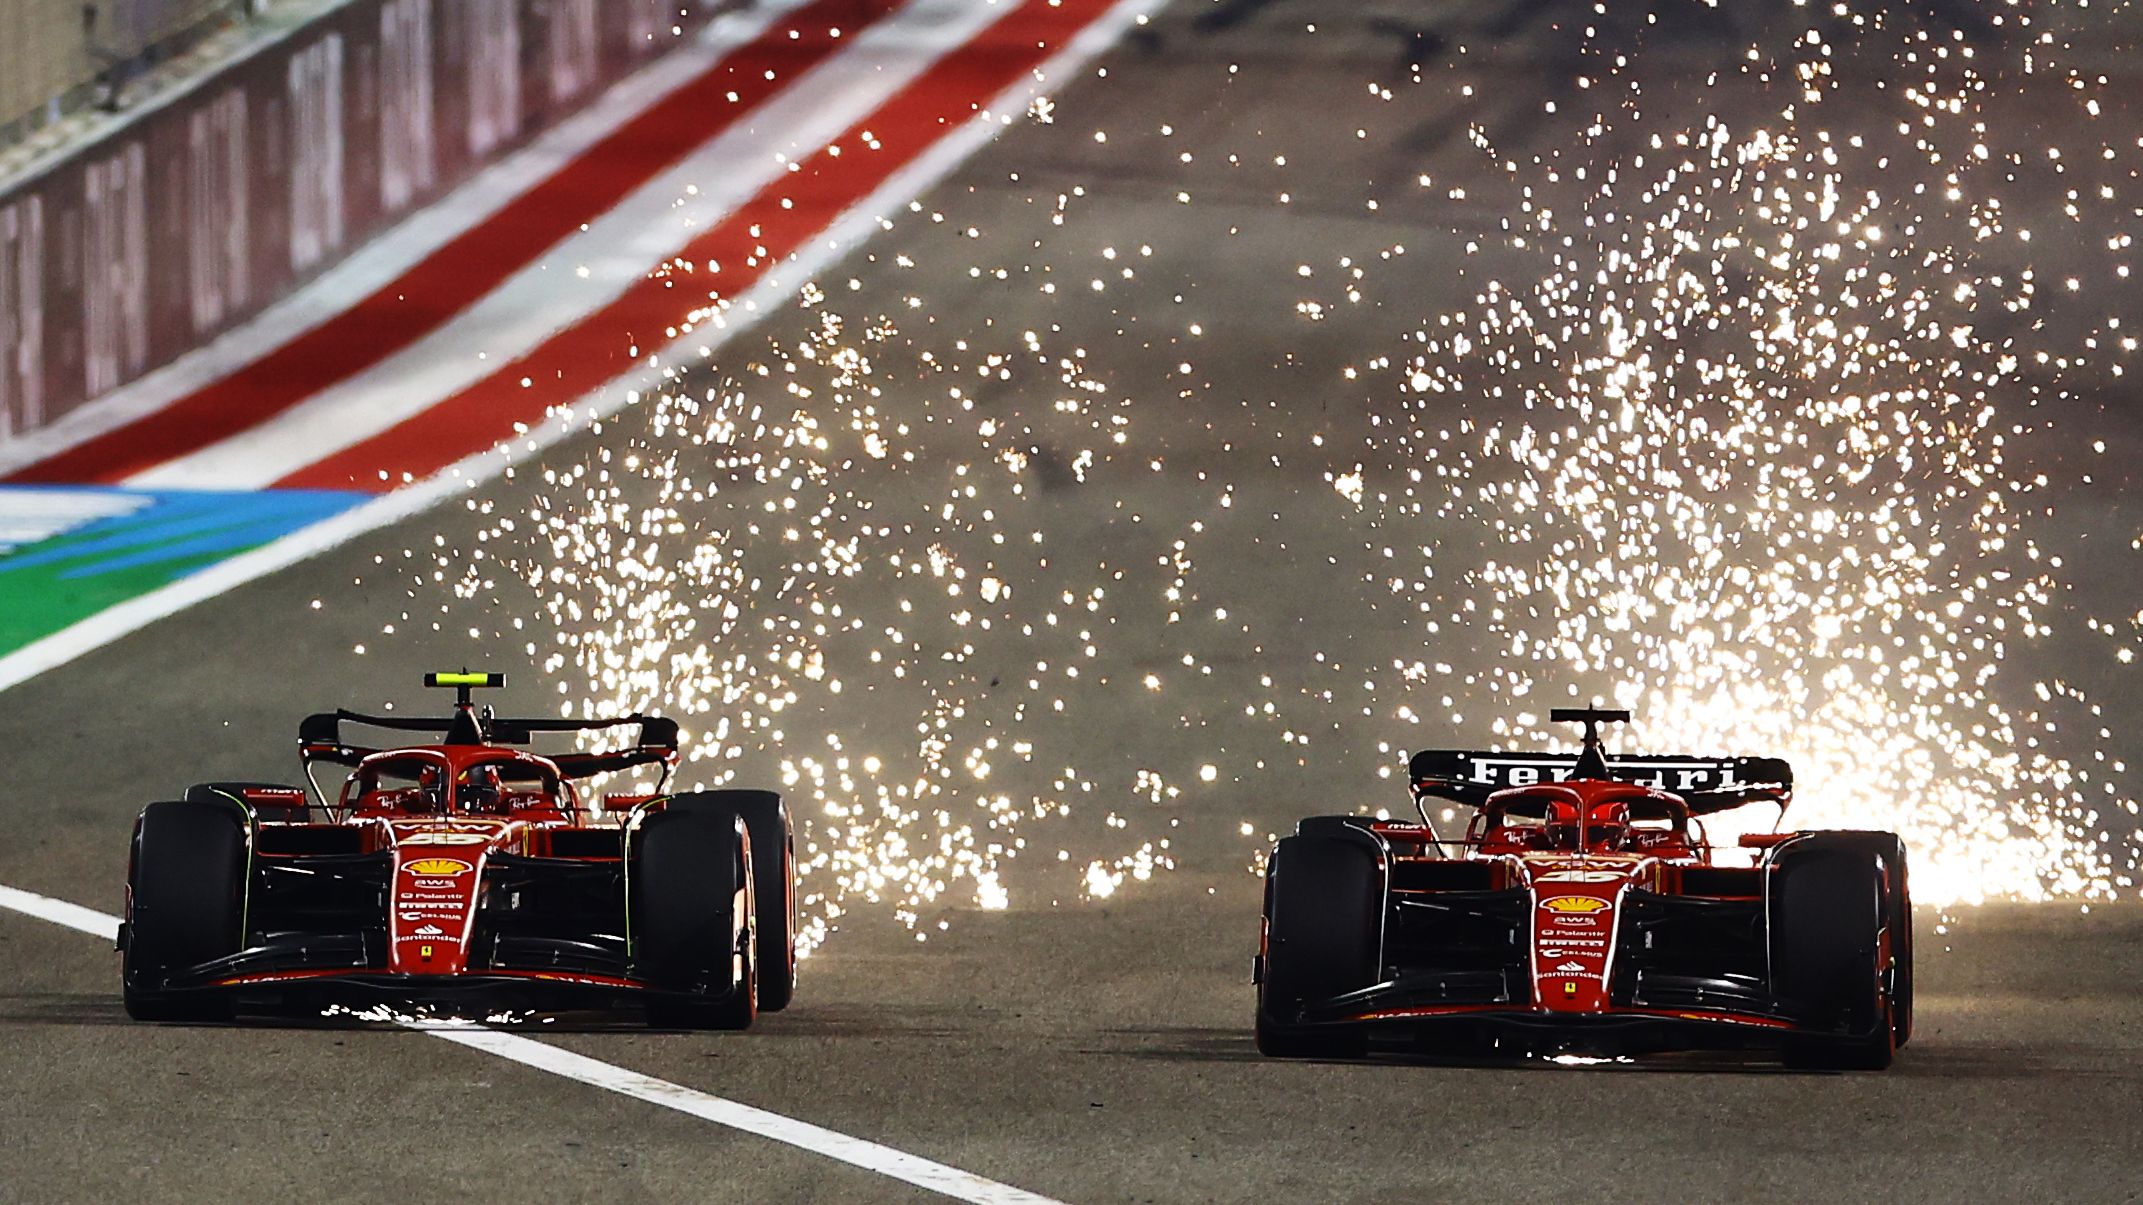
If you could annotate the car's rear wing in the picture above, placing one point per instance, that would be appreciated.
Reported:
(321, 738)
(657, 742)
(1709, 784)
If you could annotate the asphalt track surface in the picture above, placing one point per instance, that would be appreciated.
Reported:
(1086, 1049)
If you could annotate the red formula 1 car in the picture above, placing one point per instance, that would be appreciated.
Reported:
(463, 872)
(1583, 911)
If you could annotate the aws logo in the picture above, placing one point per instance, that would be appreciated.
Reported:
(1578, 904)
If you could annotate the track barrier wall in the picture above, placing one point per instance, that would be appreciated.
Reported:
(218, 199)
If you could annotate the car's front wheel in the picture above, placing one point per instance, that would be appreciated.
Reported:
(185, 906)
(689, 917)
(1324, 901)
(773, 879)
(1834, 955)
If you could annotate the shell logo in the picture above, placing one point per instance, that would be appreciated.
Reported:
(438, 866)
(1575, 903)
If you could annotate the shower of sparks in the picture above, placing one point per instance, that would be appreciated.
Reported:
(1744, 441)
(1584, 1060)
(1747, 425)
(429, 1016)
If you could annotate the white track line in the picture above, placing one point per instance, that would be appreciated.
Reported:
(60, 912)
(856, 1152)
(870, 1156)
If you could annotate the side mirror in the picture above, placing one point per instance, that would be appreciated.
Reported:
(1764, 840)
(619, 805)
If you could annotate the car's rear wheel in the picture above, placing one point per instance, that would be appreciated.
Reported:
(773, 884)
(1833, 958)
(690, 918)
(1324, 902)
(186, 880)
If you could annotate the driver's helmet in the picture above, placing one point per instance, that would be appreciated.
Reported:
(479, 789)
(1609, 826)
(1606, 828)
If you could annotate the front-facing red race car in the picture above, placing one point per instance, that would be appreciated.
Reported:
(468, 873)
(1584, 911)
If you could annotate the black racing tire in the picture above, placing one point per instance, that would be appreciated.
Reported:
(1829, 909)
(186, 891)
(689, 875)
(1897, 889)
(773, 884)
(1324, 911)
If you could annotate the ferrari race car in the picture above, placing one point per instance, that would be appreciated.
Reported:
(1583, 911)
(467, 872)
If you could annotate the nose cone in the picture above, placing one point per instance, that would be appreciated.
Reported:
(438, 869)
(1575, 903)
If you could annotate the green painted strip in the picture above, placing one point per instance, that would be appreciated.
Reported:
(38, 601)
(68, 553)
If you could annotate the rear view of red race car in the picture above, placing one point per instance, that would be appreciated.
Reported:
(464, 872)
(1583, 911)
